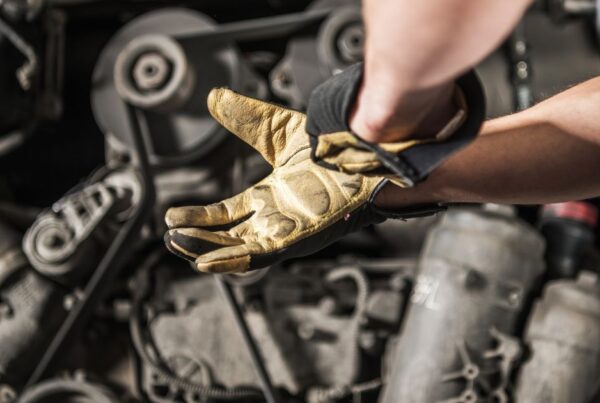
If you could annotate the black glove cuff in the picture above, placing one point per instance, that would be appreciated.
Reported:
(329, 110)
(418, 161)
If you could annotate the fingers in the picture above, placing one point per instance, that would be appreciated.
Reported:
(231, 259)
(268, 128)
(221, 213)
(189, 243)
(213, 252)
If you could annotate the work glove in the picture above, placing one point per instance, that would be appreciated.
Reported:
(405, 163)
(298, 209)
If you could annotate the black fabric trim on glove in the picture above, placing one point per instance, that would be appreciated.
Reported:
(330, 104)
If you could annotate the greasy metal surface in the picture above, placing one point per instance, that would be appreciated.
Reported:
(30, 310)
(184, 131)
(476, 271)
(563, 334)
(318, 346)
(270, 393)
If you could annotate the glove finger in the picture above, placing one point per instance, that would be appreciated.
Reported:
(189, 243)
(352, 160)
(231, 259)
(268, 128)
(331, 143)
(221, 213)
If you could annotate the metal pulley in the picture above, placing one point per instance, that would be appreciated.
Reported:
(152, 65)
(152, 73)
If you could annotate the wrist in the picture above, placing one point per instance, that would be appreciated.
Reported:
(394, 197)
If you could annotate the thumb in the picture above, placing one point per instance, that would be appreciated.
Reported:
(267, 127)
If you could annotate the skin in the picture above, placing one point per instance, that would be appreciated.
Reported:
(413, 52)
(548, 153)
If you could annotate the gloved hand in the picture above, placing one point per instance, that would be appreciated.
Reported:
(335, 147)
(298, 209)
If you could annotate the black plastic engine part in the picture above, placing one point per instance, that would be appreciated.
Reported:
(476, 270)
(569, 229)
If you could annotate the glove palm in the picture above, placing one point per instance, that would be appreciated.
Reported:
(299, 208)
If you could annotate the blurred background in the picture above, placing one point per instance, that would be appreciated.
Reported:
(103, 126)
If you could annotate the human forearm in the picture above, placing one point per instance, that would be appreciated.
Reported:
(409, 63)
(545, 154)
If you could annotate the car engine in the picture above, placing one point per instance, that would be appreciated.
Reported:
(104, 126)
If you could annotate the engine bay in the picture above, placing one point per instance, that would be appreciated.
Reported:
(104, 126)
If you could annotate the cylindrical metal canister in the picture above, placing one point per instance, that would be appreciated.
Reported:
(563, 335)
(476, 270)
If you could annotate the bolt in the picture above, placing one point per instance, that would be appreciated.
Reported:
(469, 397)
(520, 47)
(514, 298)
(350, 42)
(70, 300)
(122, 310)
(471, 371)
(522, 69)
(151, 71)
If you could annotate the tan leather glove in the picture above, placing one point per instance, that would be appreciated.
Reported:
(298, 209)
